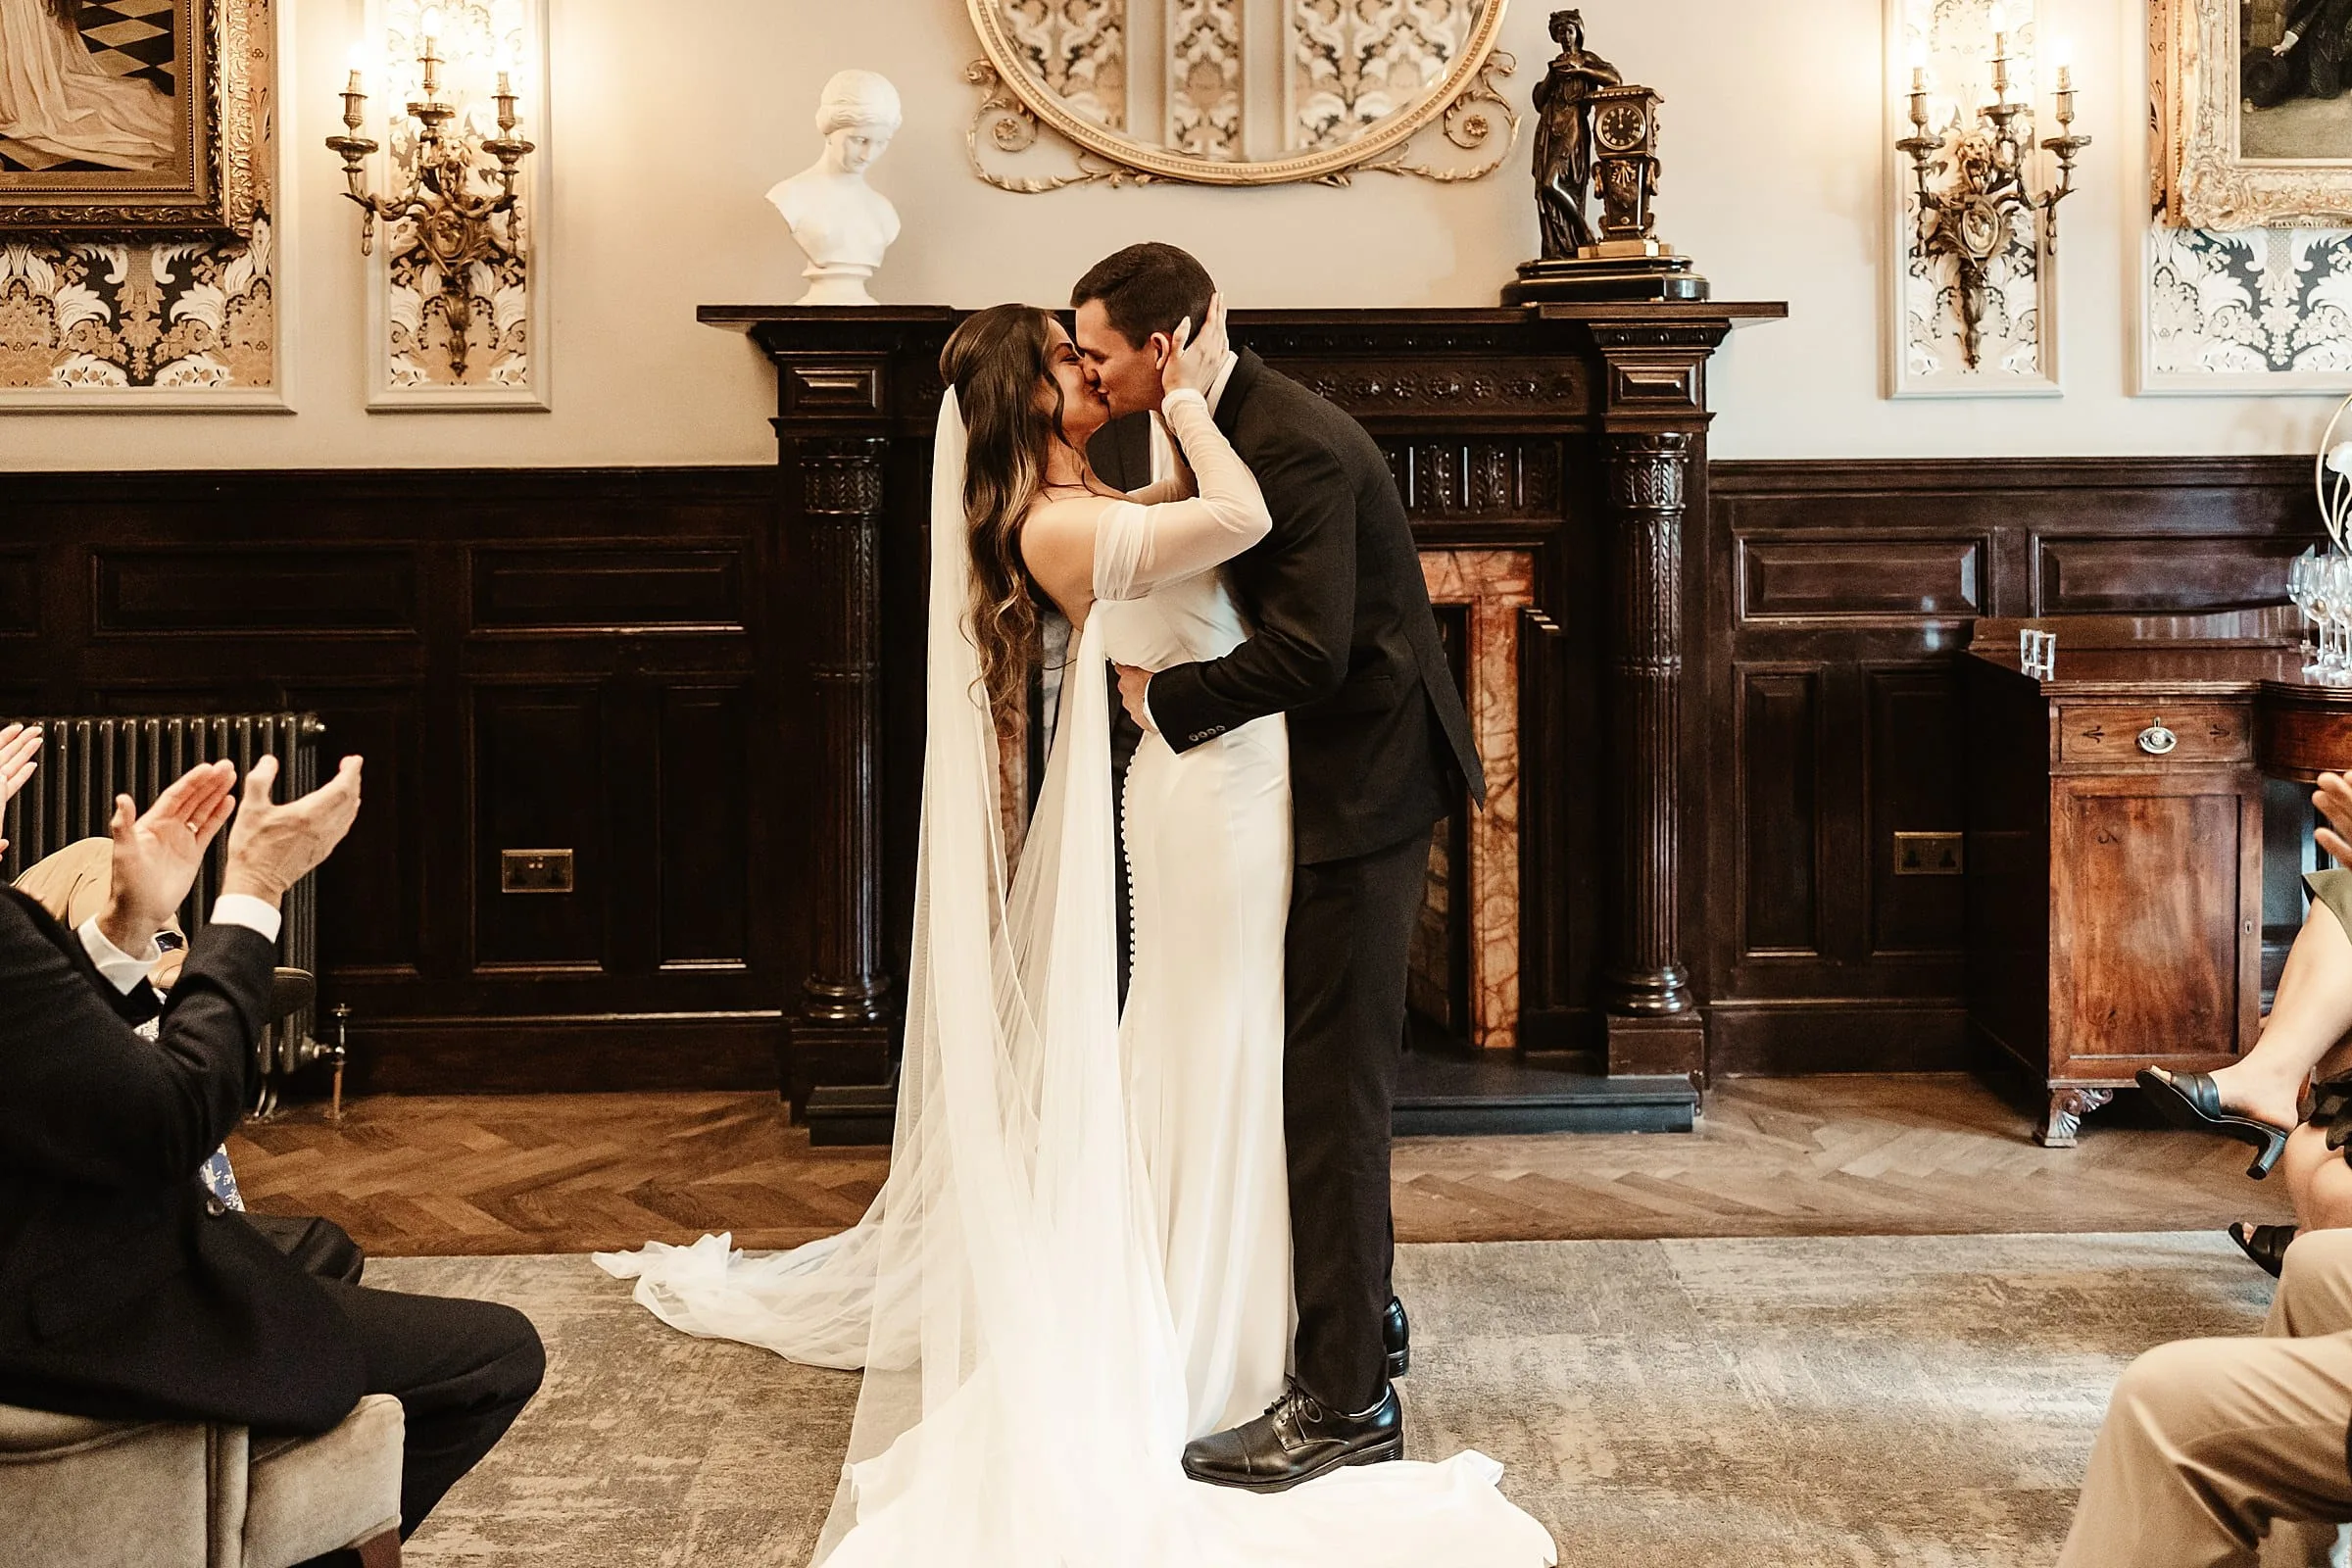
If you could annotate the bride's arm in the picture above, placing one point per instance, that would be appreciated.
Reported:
(1138, 547)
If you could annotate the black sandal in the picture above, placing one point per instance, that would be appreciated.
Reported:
(2193, 1099)
(2266, 1244)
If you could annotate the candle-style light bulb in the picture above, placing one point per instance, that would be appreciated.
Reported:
(2000, 18)
(2062, 55)
(429, 24)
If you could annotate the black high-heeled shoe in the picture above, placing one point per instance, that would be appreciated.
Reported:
(2266, 1244)
(2193, 1099)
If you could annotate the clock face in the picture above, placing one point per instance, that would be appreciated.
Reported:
(1622, 127)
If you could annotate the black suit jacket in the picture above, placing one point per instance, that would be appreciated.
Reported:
(1344, 642)
(124, 1290)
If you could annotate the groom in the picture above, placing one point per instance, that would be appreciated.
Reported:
(1380, 748)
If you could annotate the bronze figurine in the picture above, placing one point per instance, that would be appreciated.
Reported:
(1563, 103)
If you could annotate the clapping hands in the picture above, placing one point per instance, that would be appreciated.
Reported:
(19, 745)
(272, 847)
(158, 852)
(1196, 360)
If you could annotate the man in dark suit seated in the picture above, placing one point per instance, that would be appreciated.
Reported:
(125, 1289)
(73, 885)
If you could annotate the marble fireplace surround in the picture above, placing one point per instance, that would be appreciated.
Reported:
(1552, 460)
(1496, 588)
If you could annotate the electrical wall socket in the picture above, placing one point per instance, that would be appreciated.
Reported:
(1928, 854)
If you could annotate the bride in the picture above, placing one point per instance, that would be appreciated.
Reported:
(54, 97)
(1081, 1256)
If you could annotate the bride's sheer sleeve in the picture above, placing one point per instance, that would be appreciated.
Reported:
(1141, 543)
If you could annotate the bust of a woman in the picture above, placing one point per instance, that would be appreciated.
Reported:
(841, 221)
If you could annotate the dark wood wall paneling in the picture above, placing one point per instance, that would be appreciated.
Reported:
(617, 661)
(1836, 592)
(600, 661)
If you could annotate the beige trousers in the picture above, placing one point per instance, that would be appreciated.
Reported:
(2211, 1445)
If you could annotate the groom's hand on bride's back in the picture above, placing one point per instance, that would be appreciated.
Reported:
(1135, 687)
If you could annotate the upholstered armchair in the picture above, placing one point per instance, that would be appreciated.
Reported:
(81, 1494)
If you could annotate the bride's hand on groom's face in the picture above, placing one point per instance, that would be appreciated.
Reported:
(1198, 356)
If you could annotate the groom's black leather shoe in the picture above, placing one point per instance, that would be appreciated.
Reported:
(1397, 1338)
(1297, 1439)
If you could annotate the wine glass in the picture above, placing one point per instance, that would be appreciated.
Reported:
(2316, 603)
(2300, 576)
(2338, 572)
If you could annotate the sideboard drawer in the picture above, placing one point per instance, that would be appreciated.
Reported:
(2105, 734)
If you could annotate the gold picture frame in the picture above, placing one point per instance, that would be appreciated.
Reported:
(2222, 160)
(206, 183)
(1465, 104)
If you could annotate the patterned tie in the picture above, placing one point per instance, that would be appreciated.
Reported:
(217, 1179)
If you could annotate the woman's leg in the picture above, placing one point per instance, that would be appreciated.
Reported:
(2319, 1182)
(2312, 1012)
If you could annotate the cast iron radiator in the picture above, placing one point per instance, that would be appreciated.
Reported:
(85, 763)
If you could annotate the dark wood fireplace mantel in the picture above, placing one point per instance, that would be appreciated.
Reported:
(1572, 435)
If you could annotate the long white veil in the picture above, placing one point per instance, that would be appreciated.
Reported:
(997, 1293)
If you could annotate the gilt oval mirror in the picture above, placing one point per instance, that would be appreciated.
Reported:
(1241, 92)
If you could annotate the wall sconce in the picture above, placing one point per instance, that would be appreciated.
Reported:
(1972, 198)
(452, 196)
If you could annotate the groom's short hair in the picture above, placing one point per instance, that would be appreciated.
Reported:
(1147, 288)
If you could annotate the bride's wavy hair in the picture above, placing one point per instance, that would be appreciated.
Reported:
(1012, 415)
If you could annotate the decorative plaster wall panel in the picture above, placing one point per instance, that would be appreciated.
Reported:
(141, 325)
(1079, 49)
(1355, 61)
(2248, 309)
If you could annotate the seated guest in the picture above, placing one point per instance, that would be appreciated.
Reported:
(73, 885)
(2259, 1097)
(2209, 1446)
(125, 1291)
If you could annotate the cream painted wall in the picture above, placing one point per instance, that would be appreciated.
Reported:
(669, 122)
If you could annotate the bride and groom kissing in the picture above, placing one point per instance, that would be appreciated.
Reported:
(1124, 1297)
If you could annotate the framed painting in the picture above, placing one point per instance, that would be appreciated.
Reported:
(2252, 128)
(126, 117)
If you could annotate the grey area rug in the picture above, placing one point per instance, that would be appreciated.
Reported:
(1855, 1401)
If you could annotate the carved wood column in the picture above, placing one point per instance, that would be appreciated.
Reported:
(841, 503)
(1650, 481)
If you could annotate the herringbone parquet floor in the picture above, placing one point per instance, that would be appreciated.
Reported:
(1792, 1157)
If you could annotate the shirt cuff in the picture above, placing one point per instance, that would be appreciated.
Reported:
(123, 970)
(1151, 724)
(243, 908)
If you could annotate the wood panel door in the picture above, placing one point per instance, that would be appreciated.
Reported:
(2156, 881)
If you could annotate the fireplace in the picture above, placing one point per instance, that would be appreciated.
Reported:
(1551, 459)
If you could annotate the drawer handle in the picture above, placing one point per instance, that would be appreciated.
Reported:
(2156, 740)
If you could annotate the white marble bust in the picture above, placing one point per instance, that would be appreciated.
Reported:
(842, 223)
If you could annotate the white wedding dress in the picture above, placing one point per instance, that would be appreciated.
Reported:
(1081, 1256)
(56, 97)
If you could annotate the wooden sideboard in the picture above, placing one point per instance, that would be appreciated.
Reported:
(1570, 438)
(2115, 842)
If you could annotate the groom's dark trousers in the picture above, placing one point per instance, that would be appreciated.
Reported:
(1345, 644)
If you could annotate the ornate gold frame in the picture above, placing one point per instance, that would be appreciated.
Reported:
(1464, 103)
(2202, 181)
(219, 191)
